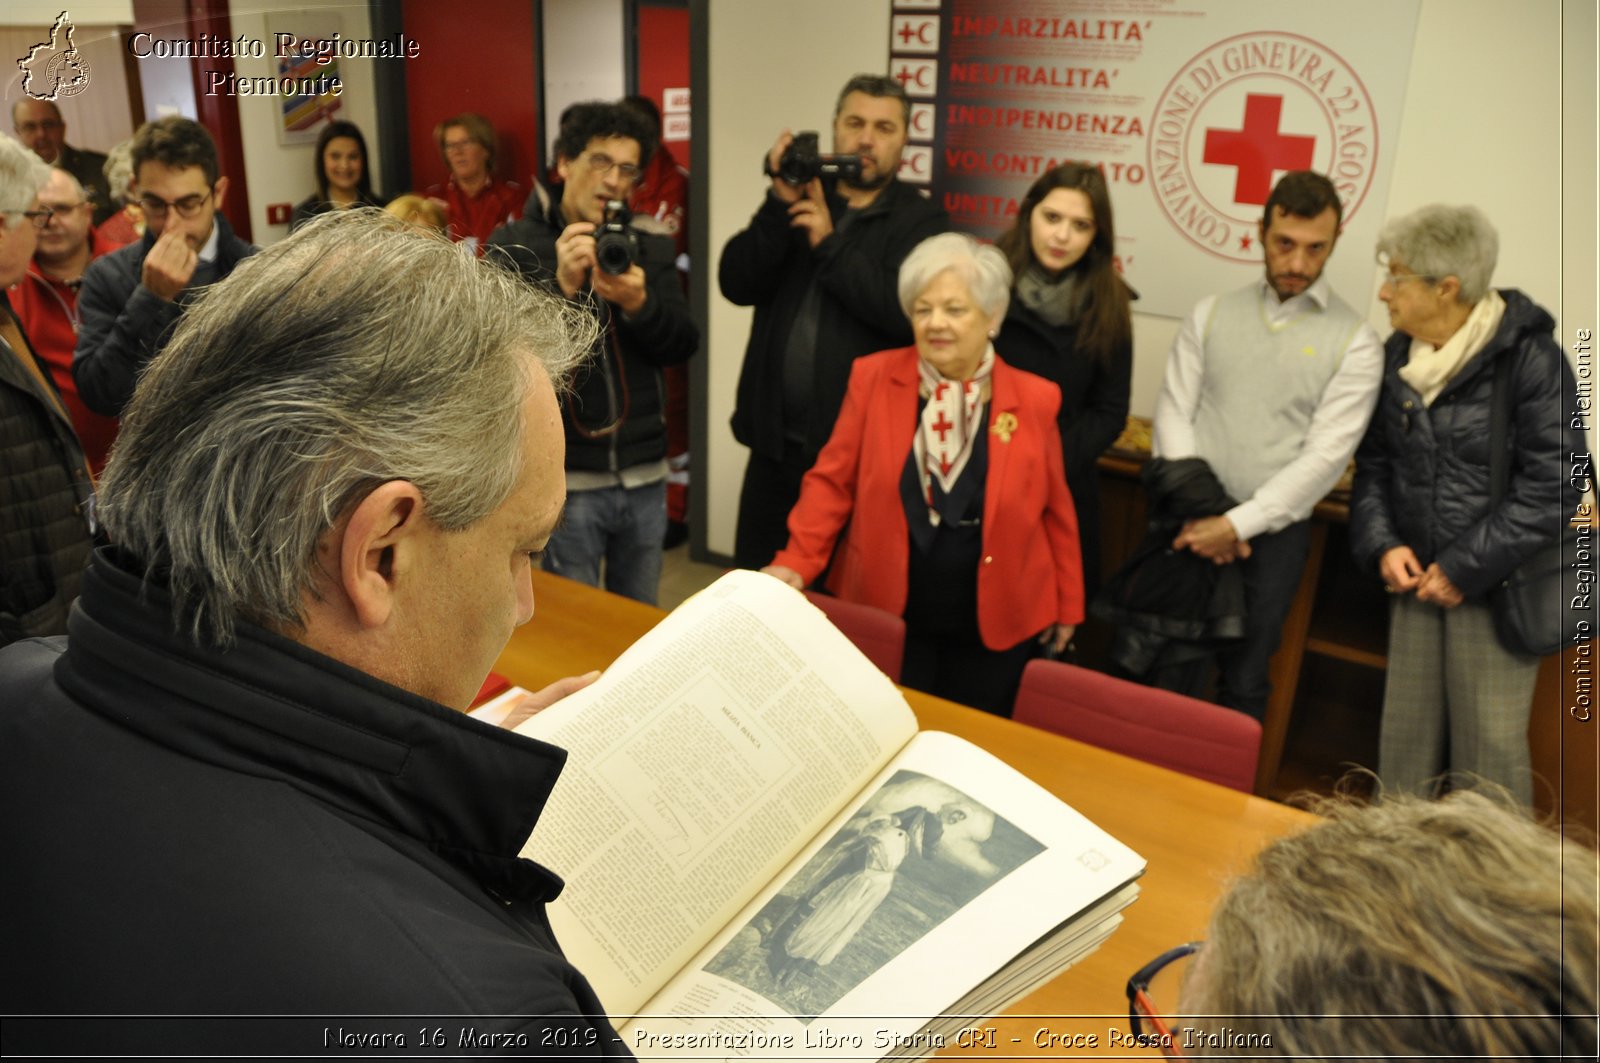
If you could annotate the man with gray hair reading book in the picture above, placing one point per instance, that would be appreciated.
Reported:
(241, 785)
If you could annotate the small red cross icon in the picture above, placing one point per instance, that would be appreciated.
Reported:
(942, 425)
(1258, 150)
(904, 75)
(906, 32)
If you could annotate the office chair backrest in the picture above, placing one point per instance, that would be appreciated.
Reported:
(1157, 726)
(877, 633)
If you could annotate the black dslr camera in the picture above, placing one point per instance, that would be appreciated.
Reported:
(616, 247)
(801, 161)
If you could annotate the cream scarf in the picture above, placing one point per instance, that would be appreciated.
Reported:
(1430, 368)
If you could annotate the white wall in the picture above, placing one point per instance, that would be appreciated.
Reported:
(582, 41)
(1482, 124)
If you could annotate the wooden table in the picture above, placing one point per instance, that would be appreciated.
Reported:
(1193, 834)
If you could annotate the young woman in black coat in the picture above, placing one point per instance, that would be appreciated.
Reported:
(1070, 322)
(343, 179)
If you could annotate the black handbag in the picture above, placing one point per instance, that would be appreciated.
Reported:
(1533, 611)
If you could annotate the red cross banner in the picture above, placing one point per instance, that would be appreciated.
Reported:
(1191, 109)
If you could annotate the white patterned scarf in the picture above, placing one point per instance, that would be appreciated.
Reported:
(951, 421)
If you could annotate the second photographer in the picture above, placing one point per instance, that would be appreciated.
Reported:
(818, 262)
(616, 437)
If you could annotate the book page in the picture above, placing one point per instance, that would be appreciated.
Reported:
(949, 867)
(699, 764)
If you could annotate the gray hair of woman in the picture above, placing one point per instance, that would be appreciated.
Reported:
(980, 265)
(358, 351)
(22, 175)
(119, 171)
(1440, 241)
(1456, 928)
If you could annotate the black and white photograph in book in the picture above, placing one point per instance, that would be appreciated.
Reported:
(911, 856)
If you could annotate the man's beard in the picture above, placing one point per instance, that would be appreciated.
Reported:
(865, 184)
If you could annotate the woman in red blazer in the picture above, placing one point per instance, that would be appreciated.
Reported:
(945, 467)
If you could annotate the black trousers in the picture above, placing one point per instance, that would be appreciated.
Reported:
(965, 670)
(771, 488)
(1271, 575)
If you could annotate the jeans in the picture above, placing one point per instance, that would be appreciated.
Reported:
(623, 527)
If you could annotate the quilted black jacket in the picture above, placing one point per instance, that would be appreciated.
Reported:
(44, 537)
(1422, 472)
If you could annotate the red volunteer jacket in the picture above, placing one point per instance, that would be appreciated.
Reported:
(1031, 574)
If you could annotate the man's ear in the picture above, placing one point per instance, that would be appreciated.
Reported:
(563, 168)
(373, 536)
(219, 191)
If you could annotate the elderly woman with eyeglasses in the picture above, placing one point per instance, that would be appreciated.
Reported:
(944, 475)
(1423, 515)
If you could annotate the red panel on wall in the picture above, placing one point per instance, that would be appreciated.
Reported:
(477, 57)
(664, 62)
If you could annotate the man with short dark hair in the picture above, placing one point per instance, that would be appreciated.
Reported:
(39, 125)
(133, 297)
(616, 438)
(1272, 386)
(243, 784)
(819, 263)
(46, 302)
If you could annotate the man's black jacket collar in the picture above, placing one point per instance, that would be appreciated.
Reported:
(273, 708)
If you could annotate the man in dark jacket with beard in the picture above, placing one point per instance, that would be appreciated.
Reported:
(819, 262)
(615, 421)
(241, 785)
(133, 297)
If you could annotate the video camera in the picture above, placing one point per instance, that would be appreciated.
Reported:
(801, 161)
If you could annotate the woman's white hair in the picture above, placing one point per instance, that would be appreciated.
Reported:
(982, 266)
(1439, 241)
(22, 176)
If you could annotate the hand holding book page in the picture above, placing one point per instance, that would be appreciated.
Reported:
(748, 820)
(699, 764)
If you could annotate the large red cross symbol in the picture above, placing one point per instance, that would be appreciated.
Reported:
(1258, 150)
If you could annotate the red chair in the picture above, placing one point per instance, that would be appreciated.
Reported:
(876, 632)
(1157, 726)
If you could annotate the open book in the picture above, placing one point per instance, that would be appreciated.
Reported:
(764, 858)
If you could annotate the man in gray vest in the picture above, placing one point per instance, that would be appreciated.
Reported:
(1272, 385)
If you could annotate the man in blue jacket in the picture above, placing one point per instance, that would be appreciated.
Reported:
(132, 298)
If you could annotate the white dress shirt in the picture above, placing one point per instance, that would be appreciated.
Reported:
(1336, 427)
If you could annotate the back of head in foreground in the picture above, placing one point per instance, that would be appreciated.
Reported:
(1451, 929)
(359, 353)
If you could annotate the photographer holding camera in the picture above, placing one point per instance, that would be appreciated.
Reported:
(819, 263)
(582, 246)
